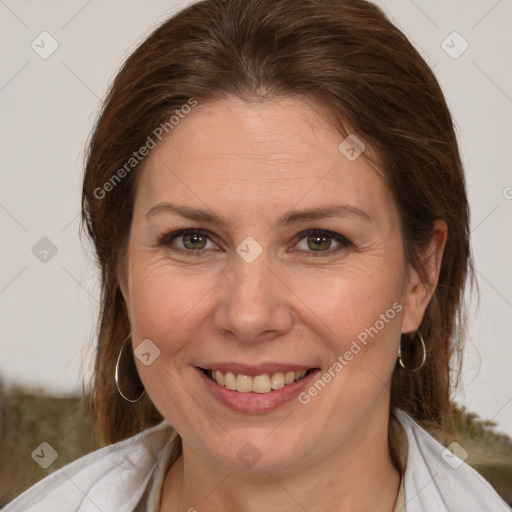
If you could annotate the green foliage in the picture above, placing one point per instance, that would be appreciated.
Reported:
(30, 418)
(489, 452)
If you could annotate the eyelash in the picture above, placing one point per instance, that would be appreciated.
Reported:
(166, 238)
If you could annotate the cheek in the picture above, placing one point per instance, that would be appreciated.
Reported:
(348, 303)
(360, 316)
(164, 304)
(166, 308)
(360, 321)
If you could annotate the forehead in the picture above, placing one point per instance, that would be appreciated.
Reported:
(259, 155)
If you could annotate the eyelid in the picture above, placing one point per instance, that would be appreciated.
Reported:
(315, 231)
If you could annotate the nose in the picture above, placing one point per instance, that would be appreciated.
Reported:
(254, 303)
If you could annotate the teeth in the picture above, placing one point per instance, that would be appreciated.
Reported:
(259, 384)
(243, 383)
(277, 381)
(289, 377)
(230, 381)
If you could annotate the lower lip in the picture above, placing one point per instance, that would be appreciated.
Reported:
(256, 403)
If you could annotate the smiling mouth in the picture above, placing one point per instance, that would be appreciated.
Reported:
(262, 384)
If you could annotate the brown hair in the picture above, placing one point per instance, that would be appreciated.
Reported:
(344, 54)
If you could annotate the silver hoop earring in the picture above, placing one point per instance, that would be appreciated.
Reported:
(414, 359)
(127, 379)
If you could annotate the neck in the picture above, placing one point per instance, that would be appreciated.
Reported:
(358, 475)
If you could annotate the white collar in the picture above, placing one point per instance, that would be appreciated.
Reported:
(115, 478)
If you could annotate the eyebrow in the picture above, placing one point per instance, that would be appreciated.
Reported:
(292, 217)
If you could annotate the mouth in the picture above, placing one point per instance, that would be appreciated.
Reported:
(255, 388)
(262, 384)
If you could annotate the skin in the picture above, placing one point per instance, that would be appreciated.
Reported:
(251, 162)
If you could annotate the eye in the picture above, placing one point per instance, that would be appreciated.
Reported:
(320, 242)
(188, 240)
(316, 242)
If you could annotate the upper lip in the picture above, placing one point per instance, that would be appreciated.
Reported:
(254, 370)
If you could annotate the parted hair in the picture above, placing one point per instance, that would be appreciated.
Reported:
(349, 57)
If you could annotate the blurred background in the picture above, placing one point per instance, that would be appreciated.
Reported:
(58, 58)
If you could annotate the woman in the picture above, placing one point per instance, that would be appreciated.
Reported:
(277, 202)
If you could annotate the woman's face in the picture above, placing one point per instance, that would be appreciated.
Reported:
(298, 265)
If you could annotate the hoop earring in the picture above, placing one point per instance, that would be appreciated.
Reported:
(126, 376)
(414, 355)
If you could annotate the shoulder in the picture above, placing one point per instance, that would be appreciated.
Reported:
(435, 479)
(112, 478)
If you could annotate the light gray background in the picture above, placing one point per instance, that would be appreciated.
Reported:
(48, 106)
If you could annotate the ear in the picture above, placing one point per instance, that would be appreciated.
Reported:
(419, 292)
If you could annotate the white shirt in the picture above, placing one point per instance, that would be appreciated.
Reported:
(128, 476)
